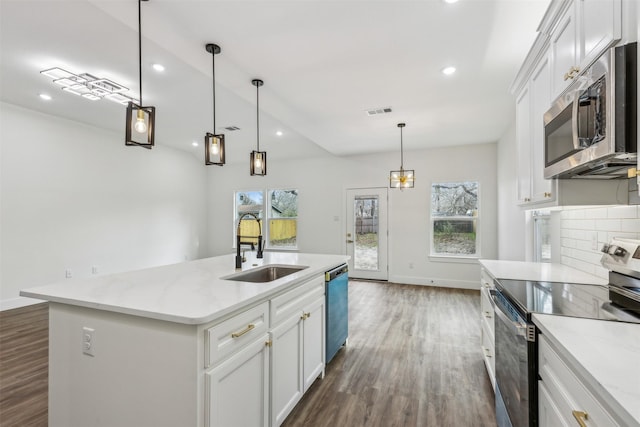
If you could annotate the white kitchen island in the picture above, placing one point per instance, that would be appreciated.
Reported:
(178, 345)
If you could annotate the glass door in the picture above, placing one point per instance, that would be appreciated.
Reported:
(366, 233)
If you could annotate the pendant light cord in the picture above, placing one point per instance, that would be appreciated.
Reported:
(401, 151)
(140, 48)
(213, 67)
(258, 116)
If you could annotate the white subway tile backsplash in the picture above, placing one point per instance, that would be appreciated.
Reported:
(581, 228)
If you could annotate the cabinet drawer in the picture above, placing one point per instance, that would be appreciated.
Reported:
(487, 310)
(488, 353)
(234, 333)
(566, 390)
(485, 280)
(287, 304)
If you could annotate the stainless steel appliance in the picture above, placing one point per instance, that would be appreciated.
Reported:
(590, 132)
(337, 310)
(622, 258)
(516, 337)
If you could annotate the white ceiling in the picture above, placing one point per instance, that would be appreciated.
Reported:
(323, 62)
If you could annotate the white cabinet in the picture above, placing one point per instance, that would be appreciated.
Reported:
(297, 353)
(584, 30)
(237, 390)
(533, 101)
(487, 322)
(562, 398)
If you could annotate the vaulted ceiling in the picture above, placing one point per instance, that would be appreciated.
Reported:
(324, 64)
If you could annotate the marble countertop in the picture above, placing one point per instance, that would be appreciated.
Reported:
(190, 292)
(605, 356)
(545, 272)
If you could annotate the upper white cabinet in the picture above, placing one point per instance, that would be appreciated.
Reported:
(582, 32)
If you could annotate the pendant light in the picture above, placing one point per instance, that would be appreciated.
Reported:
(402, 178)
(214, 143)
(258, 158)
(140, 120)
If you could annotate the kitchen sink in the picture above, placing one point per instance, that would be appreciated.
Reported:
(267, 273)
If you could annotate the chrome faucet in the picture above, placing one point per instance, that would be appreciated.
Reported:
(239, 242)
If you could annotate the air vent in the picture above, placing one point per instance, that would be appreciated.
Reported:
(376, 111)
(231, 128)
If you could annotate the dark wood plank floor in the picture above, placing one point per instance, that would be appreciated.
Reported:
(413, 359)
(24, 366)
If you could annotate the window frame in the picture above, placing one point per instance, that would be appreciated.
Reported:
(265, 217)
(455, 257)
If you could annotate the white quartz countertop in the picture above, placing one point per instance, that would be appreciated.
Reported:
(606, 356)
(541, 271)
(190, 292)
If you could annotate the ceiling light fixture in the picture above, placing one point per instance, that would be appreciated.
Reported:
(403, 178)
(88, 86)
(279, 133)
(213, 143)
(140, 120)
(450, 1)
(158, 67)
(44, 96)
(447, 71)
(258, 159)
(195, 143)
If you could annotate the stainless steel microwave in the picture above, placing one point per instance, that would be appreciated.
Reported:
(590, 132)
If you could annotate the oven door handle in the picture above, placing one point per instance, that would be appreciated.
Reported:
(518, 328)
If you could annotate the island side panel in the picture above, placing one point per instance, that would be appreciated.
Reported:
(144, 371)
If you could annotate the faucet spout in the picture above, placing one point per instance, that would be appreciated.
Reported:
(239, 242)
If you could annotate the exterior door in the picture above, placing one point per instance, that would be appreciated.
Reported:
(366, 233)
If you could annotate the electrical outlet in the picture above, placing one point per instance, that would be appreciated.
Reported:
(94, 269)
(88, 341)
(410, 265)
(68, 273)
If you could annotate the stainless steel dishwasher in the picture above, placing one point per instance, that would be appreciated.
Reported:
(337, 310)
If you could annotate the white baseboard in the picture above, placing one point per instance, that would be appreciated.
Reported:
(443, 283)
(10, 304)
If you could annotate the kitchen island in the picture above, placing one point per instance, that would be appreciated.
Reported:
(179, 345)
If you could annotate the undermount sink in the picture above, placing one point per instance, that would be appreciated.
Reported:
(267, 273)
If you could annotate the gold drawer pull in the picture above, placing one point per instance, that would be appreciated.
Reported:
(249, 327)
(487, 353)
(580, 416)
(487, 314)
(305, 316)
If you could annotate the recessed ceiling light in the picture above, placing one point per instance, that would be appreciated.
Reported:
(194, 143)
(45, 96)
(279, 133)
(158, 67)
(447, 71)
(450, 1)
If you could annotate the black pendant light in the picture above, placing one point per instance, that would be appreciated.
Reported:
(258, 158)
(214, 143)
(403, 178)
(140, 120)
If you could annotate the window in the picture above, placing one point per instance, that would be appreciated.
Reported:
(280, 231)
(283, 219)
(454, 219)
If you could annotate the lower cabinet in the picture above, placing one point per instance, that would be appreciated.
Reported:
(487, 325)
(238, 389)
(259, 363)
(563, 400)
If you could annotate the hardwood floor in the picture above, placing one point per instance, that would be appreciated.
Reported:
(413, 359)
(24, 366)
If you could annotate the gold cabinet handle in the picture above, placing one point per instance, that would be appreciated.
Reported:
(305, 316)
(572, 73)
(487, 353)
(268, 343)
(486, 285)
(547, 195)
(249, 327)
(580, 416)
(487, 314)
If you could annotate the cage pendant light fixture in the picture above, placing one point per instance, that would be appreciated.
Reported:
(258, 159)
(140, 126)
(403, 178)
(214, 143)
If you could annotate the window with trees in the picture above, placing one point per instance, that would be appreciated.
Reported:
(280, 230)
(454, 219)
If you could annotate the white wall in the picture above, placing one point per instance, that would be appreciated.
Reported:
(73, 196)
(322, 181)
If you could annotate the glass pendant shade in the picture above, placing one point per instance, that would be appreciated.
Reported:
(402, 179)
(140, 125)
(214, 149)
(258, 163)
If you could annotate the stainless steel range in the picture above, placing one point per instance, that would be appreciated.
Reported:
(622, 258)
(516, 335)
